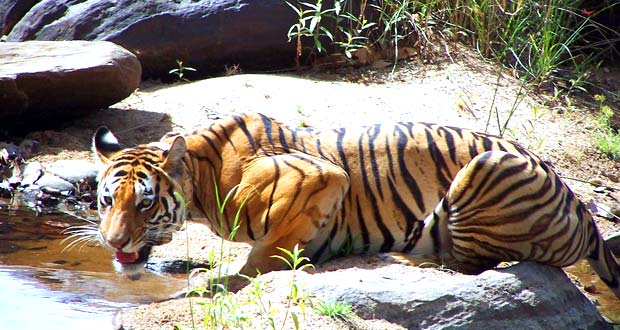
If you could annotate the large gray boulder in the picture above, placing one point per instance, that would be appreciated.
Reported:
(206, 35)
(527, 296)
(48, 81)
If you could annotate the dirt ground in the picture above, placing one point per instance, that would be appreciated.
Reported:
(460, 91)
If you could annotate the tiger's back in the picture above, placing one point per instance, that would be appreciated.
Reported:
(413, 188)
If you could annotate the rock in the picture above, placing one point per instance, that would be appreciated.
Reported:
(61, 176)
(30, 174)
(49, 81)
(206, 35)
(50, 182)
(13, 11)
(74, 171)
(525, 296)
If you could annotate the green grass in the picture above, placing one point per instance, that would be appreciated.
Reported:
(541, 40)
(333, 309)
(607, 138)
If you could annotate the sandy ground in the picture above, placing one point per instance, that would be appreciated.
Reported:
(465, 92)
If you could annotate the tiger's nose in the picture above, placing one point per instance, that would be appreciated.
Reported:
(117, 243)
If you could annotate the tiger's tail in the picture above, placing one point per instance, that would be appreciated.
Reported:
(602, 260)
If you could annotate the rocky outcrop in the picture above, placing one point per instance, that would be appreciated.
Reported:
(48, 81)
(206, 35)
(525, 296)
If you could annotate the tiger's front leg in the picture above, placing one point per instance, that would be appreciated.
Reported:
(291, 197)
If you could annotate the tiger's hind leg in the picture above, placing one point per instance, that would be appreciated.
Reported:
(507, 207)
(298, 197)
(602, 260)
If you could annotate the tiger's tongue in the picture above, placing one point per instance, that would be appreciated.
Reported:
(126, 258)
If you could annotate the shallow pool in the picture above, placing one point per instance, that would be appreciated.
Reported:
(43, 285)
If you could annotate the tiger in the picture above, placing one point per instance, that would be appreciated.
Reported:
(417, 189)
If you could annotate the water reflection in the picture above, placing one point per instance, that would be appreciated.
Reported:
(27, 303)
(45, 286)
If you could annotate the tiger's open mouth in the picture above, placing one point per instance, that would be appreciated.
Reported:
(133, 257)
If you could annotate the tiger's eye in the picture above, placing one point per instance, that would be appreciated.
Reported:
(106, 200)
(145, 204)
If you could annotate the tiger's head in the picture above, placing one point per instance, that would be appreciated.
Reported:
(139, 199)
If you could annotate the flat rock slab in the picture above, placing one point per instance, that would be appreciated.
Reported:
(50, 80)
(526, 296)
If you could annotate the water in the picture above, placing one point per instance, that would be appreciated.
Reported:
(607, 303)
(45, 286)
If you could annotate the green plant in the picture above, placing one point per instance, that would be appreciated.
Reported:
(344, 30)
(529, 130)
(224, 310)
(266, 311)
(607, 138)
(334, 309)
(295, 262)
(180, 71)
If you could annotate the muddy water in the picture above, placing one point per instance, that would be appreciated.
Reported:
(69, 289)
(607, 303)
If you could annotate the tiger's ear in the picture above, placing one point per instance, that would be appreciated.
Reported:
(174, 156)
(105, 145)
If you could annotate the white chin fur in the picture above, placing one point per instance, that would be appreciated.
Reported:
(131, 271)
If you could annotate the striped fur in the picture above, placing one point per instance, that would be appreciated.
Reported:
(415, 188)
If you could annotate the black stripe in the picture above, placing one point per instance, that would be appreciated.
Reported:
(501, 147)
(316, 256)
(243, 128)
(401, 206)
(362, 223)
(120, 173)
(215, 133)
(506, 173)
(341, 153)
(303, 146)
(298, 185)
(447, 135)
(248, 224)
(435, 234)
(482, 161)
(275, 179)
(487, 143)
(388, 152)
(404, 172)
(373, 159)
(473, 149)
(268, 126)
(198, 157)
(294, 138)
(319, 150)
(228, 137)
(438, 160)
(282, 139)
(388, 239)
(212, 145)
